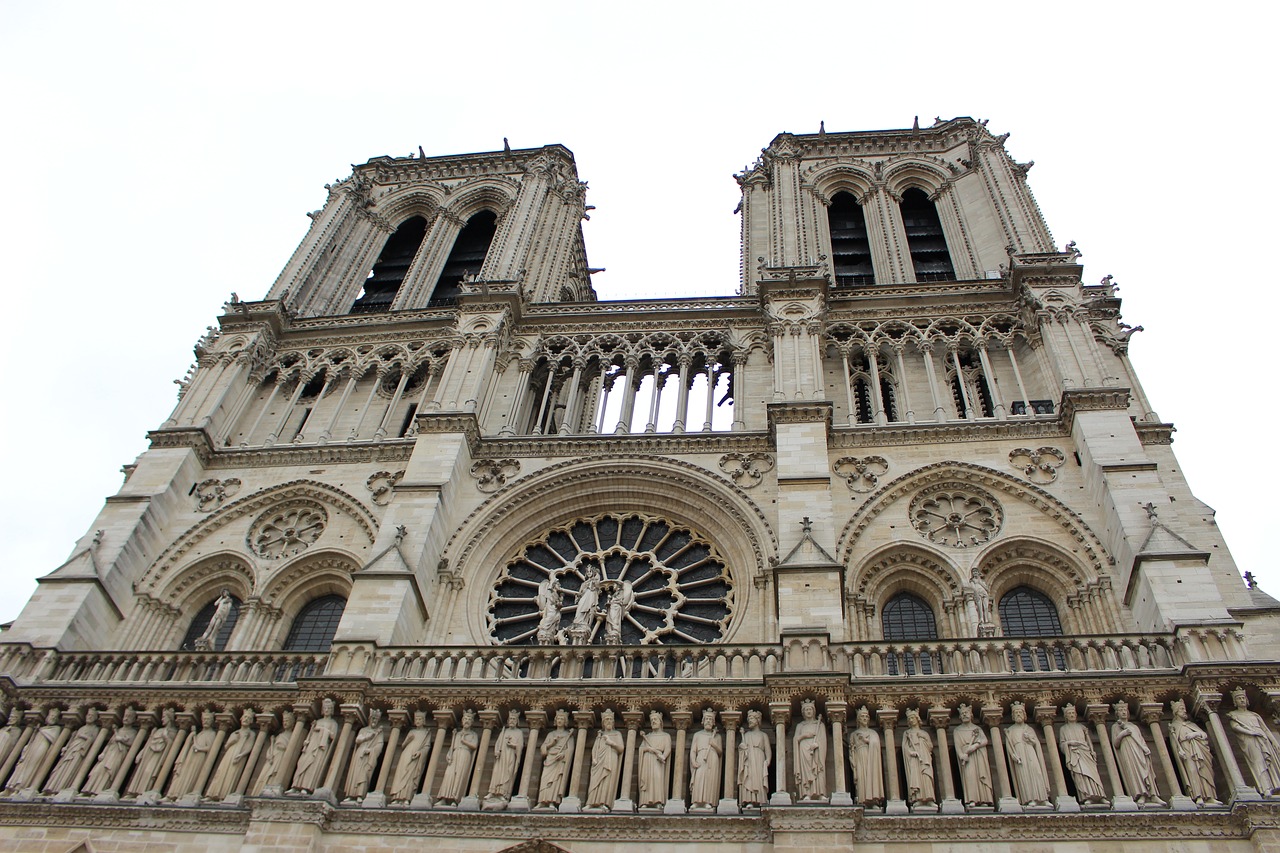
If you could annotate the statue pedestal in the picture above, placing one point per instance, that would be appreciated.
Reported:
(570, 805)
(469, 804)
(272, 791)
(841, 798)
(420, 801)
(896, 807)
(728, 805)
(1009, 805)
(780, 798)
(493, 804)
(924, 808)
(518, 804)
(376, 800)
(674, 807)
(1067, 803)
(952, 806)
(1244, 793)
(1182, 804)
(113, 797)
(188, 800)
(1123, 803)
(64, 796)
(233, 800)
(621, 805)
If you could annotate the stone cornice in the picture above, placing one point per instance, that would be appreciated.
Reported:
(800, 413)
(1092, 400)
(591, 445)
(1155, 433)
(395, 450)
(948, 433)
(450, 422)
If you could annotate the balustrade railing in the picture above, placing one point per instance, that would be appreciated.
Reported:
(961, 658)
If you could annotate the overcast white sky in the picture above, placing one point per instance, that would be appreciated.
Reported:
(162, 155)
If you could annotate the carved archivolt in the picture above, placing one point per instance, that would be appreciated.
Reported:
(966, 474)
(680, 492)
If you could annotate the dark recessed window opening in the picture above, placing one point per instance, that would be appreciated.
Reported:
(928, 245)
(201, 622)
(315, 625)
(392, 266)
(850, 244)
(468, 255)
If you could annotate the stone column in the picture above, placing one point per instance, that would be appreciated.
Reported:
(471, 802)
(894, 804)
(631, 719)
(780, 714)
(1120, 801)
(837, 713)
(572, 803)
(940, 718)
(1207, 703)
(352, 716)
(225, 721)
(1151, 712)
(266, 722)
(1045, 715)
(729, 802)
(146, 722)
(107, 721)
(537, 720)
(284, 773)
(1006, 800)
(377, 798)
(444, 721)
(675, 804)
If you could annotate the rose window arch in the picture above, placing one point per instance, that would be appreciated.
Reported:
(287, 529)
(959, 516)
(613, 579)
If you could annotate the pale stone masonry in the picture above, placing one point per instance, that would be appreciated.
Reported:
(908, 468)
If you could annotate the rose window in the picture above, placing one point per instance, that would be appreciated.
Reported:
(283, 532)
(956, 516)
(613, 579)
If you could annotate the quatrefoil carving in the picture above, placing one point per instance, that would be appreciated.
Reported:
(861, 473)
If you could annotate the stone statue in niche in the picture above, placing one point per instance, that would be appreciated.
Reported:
(186, 771)
(1081, 760)
(1194, 758)
(1133, 756)
(616, 610)
(586, 610)
(549, 600)
(1257, 741)
(24, 773)
(314, 758)
(462, 753)
(866, 758)
(112, 755)
(655, 755)
(364, 758)
(754, 757)
(917, 760)
(507, 749)
(208, 641)
(706, 753)
(975, 767)
(606, 760)
(151, 757)
(235, 752)
(1026, 759)
(275, 753)
(557, 748)
(11, 733)
(413, 758)
(64, 773)
(981, 597)
(809, 744)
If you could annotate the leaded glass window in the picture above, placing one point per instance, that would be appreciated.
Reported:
(314, 626)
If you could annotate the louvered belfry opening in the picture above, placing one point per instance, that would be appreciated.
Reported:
(928, 245)
(467, 256)
(392, 266)
(850, 243)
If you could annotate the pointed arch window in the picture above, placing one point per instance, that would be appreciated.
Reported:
(906, 618)
(928, 245)
(467, 256)
(850, 243)
(392, 266)
(201, 622)
(316, 623)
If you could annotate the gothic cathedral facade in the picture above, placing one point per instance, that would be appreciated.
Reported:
(436, 548)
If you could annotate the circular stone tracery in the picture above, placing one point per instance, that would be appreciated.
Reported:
(286, 530)
(958, 516)
(664, 582)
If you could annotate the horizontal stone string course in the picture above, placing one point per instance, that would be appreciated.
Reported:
(677, 754)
